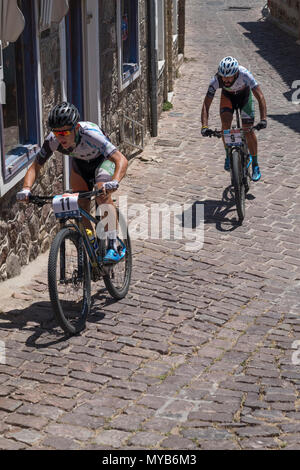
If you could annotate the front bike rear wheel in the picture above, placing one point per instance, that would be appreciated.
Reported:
(118, 276)
(69, 281)
(239, 188)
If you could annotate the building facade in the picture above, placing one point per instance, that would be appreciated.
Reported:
(286, 14)
(116, 60)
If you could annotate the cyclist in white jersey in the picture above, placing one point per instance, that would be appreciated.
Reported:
(238, 87)
(96, 161)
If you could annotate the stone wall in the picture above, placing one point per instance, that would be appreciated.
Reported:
(134, 99)
(286, 14)
(172, 43)
(26, 231)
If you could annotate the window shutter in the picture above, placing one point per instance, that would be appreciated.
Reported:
(2, 84)
(45, 14)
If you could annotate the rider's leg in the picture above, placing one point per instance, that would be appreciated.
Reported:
(103, 173)
(109, 219)
(252, 145)
(79, 184)
(109, 214)
(226, 114)
(226, 119)
(251, 140)
(248, 116)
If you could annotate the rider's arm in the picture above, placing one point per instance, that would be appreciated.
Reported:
(261, 101)
(121, 163)
(49, 146)
(205, 111)
(31, 175)
(213, 86)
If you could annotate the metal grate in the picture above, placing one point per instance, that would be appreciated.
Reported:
(134, 129)
(238, 8)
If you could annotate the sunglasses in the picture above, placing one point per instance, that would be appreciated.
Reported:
(63, 133)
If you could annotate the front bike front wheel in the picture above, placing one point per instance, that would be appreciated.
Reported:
(239, 188)
(69, 280)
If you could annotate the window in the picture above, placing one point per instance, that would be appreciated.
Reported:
(128, 41)
(2, 84)
(75, 91)
(160, 29)
(9, 109)
(19, 115)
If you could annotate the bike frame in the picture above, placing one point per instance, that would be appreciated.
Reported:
(242, 149)
(79, 227)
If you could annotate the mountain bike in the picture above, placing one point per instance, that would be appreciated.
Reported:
(240, 161)
(74, 261)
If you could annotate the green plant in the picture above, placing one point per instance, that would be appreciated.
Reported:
(167, 106)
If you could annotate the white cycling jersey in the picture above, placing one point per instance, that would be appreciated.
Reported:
(90, 144)
(244, 80)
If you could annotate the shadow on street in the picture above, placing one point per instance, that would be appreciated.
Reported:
(277, 48)
(39, 319)
(289, 120)
(222, 212)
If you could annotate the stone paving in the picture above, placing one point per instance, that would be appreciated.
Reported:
(204, 352)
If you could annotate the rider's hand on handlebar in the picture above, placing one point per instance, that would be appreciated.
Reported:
(109, 186)
(23, 196)
(261, 125)
(205, 131)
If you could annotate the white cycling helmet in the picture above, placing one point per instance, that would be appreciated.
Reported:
(228, 67)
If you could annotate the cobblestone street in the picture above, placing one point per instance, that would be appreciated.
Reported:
(204, 352)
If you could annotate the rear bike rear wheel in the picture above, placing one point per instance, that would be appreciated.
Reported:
(118, 276)
(239, 188)
(69, 281)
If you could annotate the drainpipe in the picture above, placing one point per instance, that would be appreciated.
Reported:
(181, 26)
(298, 25)
(153, 66)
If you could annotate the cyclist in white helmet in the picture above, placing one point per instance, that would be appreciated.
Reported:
(238, 87)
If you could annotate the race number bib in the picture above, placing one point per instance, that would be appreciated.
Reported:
(66, 205)
(233, 137)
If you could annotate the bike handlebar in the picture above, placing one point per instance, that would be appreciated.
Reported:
(218, 133)
(42, 200)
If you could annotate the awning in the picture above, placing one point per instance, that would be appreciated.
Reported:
(52, 11)
(12, 21)
(59, 10)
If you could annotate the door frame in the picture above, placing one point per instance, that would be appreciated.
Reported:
(90, 68)
(91, 61)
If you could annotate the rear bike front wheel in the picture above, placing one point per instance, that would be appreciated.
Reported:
(69, 281)
(239, 188)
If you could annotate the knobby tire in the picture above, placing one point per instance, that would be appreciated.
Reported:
(75, 323)
(119, 291)
(239, 188)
